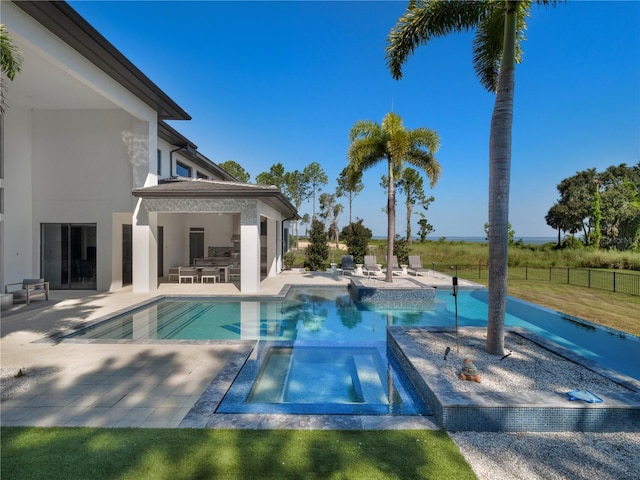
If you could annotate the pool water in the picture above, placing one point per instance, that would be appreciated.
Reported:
(321, 314)
(311, 378)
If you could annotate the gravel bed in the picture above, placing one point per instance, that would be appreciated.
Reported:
(10, 383)
(527, 366)
(531, 456)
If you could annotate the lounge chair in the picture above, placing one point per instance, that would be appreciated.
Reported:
(28, 288)
(415, 266)
(347, 264)
(371, 265)
(393, 265)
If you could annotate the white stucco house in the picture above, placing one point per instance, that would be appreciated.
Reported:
(97, 191)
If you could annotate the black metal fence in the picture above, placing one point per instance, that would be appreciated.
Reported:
(601, 279)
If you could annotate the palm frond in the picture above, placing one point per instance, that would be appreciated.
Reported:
(427, 19)
(365, 152)
(427, 162)
(489, 39)
(364, 128)
(425, 138)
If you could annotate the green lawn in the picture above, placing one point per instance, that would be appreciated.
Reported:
(175, 454)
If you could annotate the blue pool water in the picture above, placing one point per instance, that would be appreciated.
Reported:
(321, 314)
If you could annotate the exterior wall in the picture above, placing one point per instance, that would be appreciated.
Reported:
(70, 165)
(18, 236)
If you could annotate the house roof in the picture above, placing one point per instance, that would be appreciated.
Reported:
(200, 188)
(67, 24)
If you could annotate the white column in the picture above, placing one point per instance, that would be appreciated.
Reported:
(249, 250)
(271, 247)
(249, 258)
(145, 249)
(142, 144)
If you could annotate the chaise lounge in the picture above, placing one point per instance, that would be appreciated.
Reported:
(415, 266)
(371, 265)
(393, 265)
(347, 264)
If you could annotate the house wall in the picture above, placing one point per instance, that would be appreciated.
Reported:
(18, 239)
(70, 165)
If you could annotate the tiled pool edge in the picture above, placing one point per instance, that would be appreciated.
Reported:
(532, 411)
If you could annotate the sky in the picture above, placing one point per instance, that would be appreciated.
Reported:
(283, 82)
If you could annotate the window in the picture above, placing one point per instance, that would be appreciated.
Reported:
(182, 170)
(201, 175)
(159, 166)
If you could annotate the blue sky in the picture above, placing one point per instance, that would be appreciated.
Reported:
(269, 82)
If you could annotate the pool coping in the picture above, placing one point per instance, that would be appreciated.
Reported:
(530, 411)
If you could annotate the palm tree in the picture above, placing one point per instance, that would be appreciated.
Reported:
(499, 28)
(372, 143)
(10, 63)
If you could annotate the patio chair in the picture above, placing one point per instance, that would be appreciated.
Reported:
(393, 265)
(371, 265)
(29, 288)
(347, 264)
(209, 273)
(415, 266)
(185, 273)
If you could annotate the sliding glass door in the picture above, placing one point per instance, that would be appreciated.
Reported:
(68, 255)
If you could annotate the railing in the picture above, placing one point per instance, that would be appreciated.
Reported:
(601, 279)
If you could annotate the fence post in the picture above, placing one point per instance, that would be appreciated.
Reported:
(589, 278)
(568, 276)
(550, 269)
(614, 281)
(526, 272)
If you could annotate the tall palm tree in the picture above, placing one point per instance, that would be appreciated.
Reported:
(372, 143)
(499, 26)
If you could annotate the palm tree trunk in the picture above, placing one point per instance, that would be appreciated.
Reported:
(409, 212)
(499, 178)
(391, 222)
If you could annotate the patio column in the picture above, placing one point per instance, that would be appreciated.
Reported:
(145, 249)
(142, 143)
(272, 251)
(250, 257)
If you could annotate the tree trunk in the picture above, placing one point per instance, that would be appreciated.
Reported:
(391, 222)
(499, 178)
(409, 212)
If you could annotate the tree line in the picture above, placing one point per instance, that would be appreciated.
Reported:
(308, 184)
(602, 208)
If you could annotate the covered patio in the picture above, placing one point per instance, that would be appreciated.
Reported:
(239, 228)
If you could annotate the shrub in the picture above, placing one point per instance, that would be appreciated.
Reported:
(401, 250)
(288, 259)
(356, 237)
(318, 249)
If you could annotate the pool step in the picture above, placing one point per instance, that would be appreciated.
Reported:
(371, 386)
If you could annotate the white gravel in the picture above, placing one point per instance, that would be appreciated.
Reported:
(20, 380)
(532, 456)
(527, 366)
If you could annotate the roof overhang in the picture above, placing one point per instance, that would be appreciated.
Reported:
(215, 189)
(67, 24)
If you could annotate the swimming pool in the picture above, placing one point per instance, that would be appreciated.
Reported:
(327, 314)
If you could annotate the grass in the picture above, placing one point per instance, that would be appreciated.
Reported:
(615, 310)
(96, 453)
